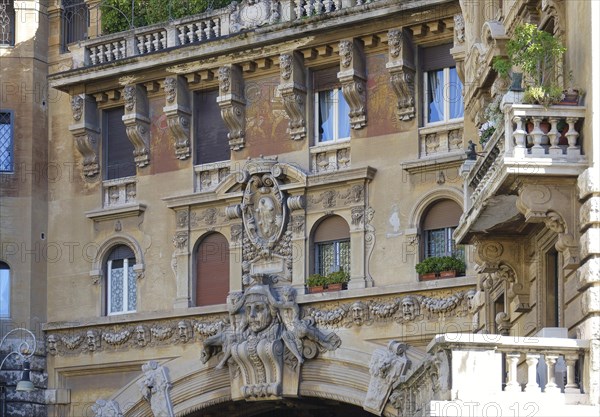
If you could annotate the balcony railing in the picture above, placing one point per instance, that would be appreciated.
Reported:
(201, 28)
(533, 141)
(514, 367)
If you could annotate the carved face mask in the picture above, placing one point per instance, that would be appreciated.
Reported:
(408, 309)
(258, 315)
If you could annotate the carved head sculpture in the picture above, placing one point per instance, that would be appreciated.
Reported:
(360, 312)
(470, 297)
(410, 308)
(257, 308)
(91, 340)
(51, 344)
(184, 331)
(141, 335)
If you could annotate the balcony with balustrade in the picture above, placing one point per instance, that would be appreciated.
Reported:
(480, 374)
(534, 144)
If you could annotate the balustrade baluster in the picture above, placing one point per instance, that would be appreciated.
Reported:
(554, 137)
(217, 27)
(148, 43)
(299, 9)
(140, 44)
(191, 33)
(551, 386)
(572, 386)
(207, 30)
(512, 385)
(532, 360)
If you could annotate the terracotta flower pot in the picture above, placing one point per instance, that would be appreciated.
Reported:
(427, 277)
(313, 290)
(447, 274)
(334, 287)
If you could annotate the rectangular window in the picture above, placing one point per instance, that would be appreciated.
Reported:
(7, 23)
(75, 22)
(332, 120)
(4, 290)
(443, 101)
(210, 136)
(118, 149)
(6, 142)
(332, 257)
(439, 242)
(122, 286)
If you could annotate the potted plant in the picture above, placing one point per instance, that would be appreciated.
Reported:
(536, 53)
(337, 280)
(315, 283)
(571, 95)
(451, 266)
(428, 268)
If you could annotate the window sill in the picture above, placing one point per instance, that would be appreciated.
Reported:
(208, 176)
(440, 139)
(116, 212)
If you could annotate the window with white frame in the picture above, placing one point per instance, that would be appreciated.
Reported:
(121, 284)
(7, 23)
(443, 101)
(332, 120)
(331, 242)
(6, 141)
(4, 290)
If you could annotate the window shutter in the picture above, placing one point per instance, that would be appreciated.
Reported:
(445, 213)
(332, 228)
(211, 141)
(118, 159)
(436, 57)
(325, 79)
(212, 270)
(121, 252)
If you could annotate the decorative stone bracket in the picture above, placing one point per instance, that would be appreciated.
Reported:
(137, 123)
(402, 72)
(86, 132)
(154, 387)
(293, 92)
(177, 109)
(353, 80)
(534, 203)
(232, 103)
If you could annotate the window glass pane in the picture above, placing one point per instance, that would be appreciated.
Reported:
(131, 287)
(325, 115)
(436, 243)
(435, 96)
(7, 22)
(6, 145)
(4, 292)
(455, 89)
(119, 160)
(210, 129)
(326, 258)
(116, 289)
(344, 256)
(343, 118)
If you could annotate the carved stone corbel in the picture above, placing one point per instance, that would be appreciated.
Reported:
(293, 92)
(353, 80)
(137, 123)
(232, 103)
(86, 132)
(534, 203)
(402, 72)
(177, 109)
(154, 387)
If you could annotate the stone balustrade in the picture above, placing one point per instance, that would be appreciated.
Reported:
(119, 192)
(440, 140)
(201, 28)
(326, 158)
(538, 132)
(515, 367)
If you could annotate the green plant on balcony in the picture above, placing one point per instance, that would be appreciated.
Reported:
(437, 266)
(316, 280)
(536, 53)
(117, 14)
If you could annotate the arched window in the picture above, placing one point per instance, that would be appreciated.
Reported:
(121, 282)
(439, 222)
(331, 241)
(4, 290)
(212, 270)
